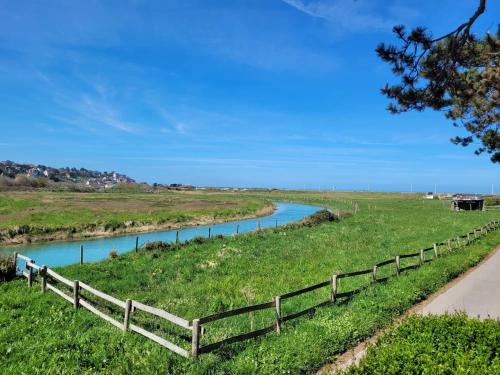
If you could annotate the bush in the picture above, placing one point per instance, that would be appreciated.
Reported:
(450, 343)
(319, 217)
(492, 202)
(198, 240)
(112, 226)
(113, 254)
(22, 180)
(7, 268)
(6, 181)
(159, 245)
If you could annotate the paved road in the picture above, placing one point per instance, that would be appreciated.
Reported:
(477, 294)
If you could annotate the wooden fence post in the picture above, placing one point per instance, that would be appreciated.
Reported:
(15, 260)
(258, 225)
(136, 244)
(43, 275)
(449, 245)
(398, 265)
(81, 254)
(468, 238)
(195, 342)
(421, 256)
(177, 239)
(334, 288)
(435, 250)
(276, 223)
(238, 229)
(30, 275)
(209, 232)
(76, 294)
(277, 301)
(374, 274)
(126, 319)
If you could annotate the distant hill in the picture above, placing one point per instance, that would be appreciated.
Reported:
(84, 176)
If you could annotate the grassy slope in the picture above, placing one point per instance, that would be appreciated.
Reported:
(67, 210)
(439, 345)
(227, 273)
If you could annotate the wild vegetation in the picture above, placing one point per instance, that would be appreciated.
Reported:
(32, 216)
(7, 268)
(449, 344)
(215, 275)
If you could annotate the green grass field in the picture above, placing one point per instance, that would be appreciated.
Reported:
(449, 344)
(42, 332)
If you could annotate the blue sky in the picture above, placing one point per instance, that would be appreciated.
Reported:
(242, 93)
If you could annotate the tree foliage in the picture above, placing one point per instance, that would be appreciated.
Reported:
(457, 73)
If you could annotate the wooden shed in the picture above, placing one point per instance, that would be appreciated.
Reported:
(467, 202)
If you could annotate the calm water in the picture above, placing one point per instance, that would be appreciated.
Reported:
(68, 252)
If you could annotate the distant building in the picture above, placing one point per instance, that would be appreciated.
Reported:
(35, 172)
(467, 202)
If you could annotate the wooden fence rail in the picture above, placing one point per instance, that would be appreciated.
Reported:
(195, 326)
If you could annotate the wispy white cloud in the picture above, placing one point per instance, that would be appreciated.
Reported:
(350, 15)
(175, 125)
(92, 113)
(103, 113)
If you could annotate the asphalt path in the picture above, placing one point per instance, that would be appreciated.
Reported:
(477, 294)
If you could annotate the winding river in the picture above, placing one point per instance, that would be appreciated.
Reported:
(68, 252)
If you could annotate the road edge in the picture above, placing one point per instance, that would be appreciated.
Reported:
(353, 356)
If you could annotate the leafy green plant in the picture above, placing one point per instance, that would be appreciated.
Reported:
(448, 344)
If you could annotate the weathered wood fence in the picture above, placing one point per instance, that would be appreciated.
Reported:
(73, 294)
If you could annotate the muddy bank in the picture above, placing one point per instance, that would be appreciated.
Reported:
(27, 234)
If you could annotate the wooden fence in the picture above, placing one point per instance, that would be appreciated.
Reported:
(72, 292)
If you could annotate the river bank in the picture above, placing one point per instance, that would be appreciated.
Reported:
(61, 253)
(26, 234)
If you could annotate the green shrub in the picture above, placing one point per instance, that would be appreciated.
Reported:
(7, 268)
(159, 245)
(113, 225)
(492, 202)
(199, 240)
(451, 343)
(319, 217)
